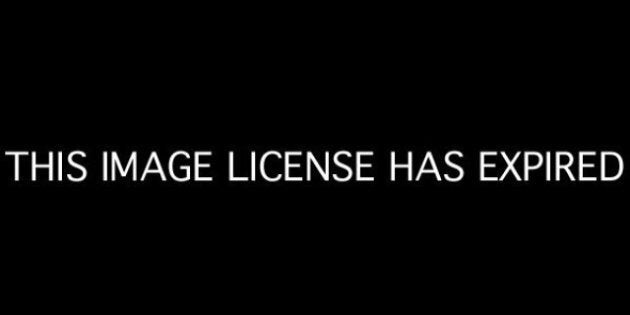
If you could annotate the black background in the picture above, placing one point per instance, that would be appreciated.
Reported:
(315, 81)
